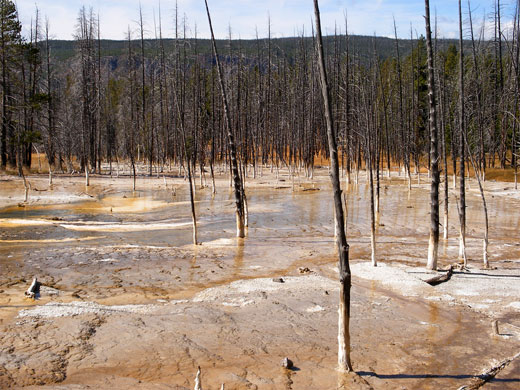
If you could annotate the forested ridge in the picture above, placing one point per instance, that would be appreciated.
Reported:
(63, 50)
(89, 101)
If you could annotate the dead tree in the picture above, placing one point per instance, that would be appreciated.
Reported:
(34, 289)
(441, 278)
(434, 153)
(462, 189)
(130, 139)
(479, 174)
(231, 139)
(198, 385)
(345, 276)
(187, 158)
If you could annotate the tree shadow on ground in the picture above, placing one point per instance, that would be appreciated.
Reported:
(413, 376)
(432, 376)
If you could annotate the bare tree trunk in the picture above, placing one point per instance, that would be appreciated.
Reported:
(462, 189)
(434, 157)
(192, 201)
(25, 186)
(345, 277)
(187, 158)
(133, 174)
(444, 153)
(143, 94)
(485, 241)
(231, 138)
(198, 385)
(372, 211)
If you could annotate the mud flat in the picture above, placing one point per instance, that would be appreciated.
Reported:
(128, 302)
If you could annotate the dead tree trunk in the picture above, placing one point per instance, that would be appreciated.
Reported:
(198, 385)
(231, 138)
(442, 105)
(187, 159)
(462, 189)
(25, 185)
(441, 278)
(34, 289)
(341, 239)
(487, 376)
(479, 174)
(434, 157)
(192, 200)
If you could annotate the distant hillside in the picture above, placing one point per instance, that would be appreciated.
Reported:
(362, 46)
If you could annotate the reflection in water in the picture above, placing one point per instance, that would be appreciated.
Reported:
(157, 218)
(193, 269)
(239, 258)
(433, 321)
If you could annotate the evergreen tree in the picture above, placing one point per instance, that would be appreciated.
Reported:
(10, 41)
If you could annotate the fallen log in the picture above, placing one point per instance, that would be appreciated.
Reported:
(440, 278)
(494, 326)
(198, 385)
(484, 378)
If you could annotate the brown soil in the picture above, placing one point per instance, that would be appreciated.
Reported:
(165, 307)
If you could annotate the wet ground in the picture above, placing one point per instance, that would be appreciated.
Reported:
(129, 302)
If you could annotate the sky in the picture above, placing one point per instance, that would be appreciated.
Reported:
(246, 17)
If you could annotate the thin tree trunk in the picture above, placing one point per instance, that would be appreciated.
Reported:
(345, 277)
(192, 200)
(231, 138)
(434, 158)
(485, 241)
(462, 189)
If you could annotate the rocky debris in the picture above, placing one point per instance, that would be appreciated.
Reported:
(49, 291)
(278, 280)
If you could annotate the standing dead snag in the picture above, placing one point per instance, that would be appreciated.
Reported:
(434, 152)
(26, 185)
(479, 175)
(462, 236)
(188, 163)
(34, 289)
(345, 277)
(231, 139)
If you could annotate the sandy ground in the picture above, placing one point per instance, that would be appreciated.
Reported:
(129, 302)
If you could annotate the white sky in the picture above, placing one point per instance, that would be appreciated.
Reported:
(288, 17)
